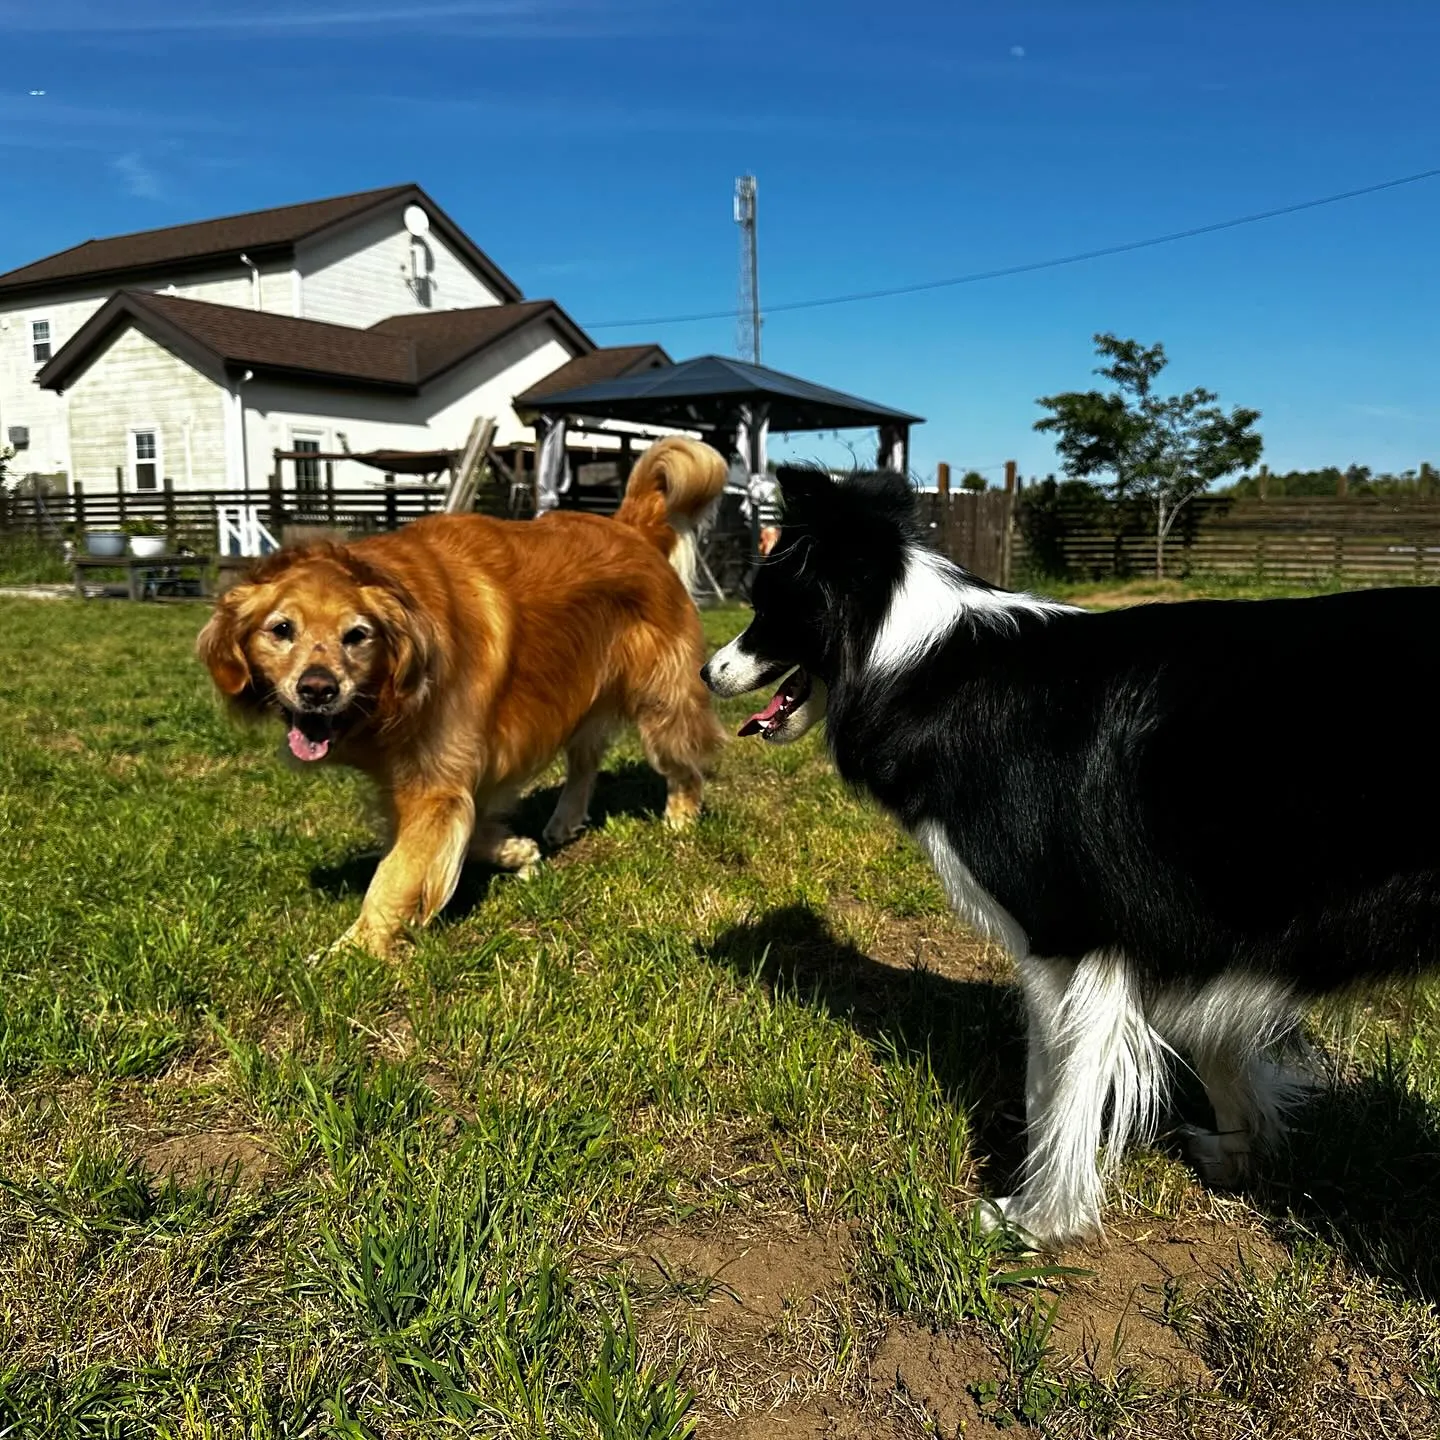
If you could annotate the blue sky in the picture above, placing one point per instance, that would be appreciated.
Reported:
(591, 149)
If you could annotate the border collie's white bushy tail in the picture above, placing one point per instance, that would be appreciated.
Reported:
(673, 488)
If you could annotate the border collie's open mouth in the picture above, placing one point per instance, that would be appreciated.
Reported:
(310, 735)
(794, 691)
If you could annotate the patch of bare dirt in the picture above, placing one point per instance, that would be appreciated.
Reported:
(934, 1371)
(1157, 593)
(757, 1317)
(820, 1420)
(1122, 1315)
(208, 1155)
(938, 944)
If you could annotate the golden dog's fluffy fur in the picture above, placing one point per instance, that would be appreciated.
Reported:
(452, 660)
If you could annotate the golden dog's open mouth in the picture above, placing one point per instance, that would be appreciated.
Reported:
(309, 736)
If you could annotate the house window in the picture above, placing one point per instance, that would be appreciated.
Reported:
(145, 459)
(40, 340)
(307, 472)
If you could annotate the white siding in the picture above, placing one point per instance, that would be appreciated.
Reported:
(361, 275)
(438, 419)
(137, 383)
(22, 402)
(488, 385)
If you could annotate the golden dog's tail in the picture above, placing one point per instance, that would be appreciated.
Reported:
(673, 489)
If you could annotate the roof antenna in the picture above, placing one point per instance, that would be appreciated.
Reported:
(747, 312)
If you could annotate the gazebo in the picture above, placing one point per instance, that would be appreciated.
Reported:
(732, 403)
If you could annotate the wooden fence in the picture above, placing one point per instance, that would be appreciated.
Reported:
(1360, 540)
(974, 528)
(189, 516)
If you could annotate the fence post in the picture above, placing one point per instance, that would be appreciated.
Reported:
(329, 492)
(1007, 537)
(39, 510)
(942, 491)
(120, 494)
(277, 504)
(172, 529)
(78, 491)
(392, 514)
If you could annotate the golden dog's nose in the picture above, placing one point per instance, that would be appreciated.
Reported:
(317, 688)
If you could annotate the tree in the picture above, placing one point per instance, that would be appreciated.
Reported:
(1162, 448)
(973, 480)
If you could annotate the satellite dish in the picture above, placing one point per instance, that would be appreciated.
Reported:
(417, 222)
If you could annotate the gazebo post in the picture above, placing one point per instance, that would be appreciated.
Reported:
(894, 451)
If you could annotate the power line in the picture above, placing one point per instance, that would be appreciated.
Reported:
(1031, 266)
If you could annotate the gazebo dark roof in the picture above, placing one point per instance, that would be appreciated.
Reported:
(708, 390)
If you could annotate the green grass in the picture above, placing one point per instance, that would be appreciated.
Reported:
(244, 1194)
(26, 560)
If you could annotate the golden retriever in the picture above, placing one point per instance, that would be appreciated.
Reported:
(452, 660)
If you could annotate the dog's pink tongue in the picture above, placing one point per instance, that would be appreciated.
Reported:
(760, 717)
(303, 748)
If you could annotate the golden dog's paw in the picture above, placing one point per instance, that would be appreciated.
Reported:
(518, 853)
(681, 812)
(359, 937)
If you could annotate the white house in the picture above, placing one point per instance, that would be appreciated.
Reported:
(193, 353)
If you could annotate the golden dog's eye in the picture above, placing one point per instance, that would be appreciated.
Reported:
(283, 630)
(358, 636)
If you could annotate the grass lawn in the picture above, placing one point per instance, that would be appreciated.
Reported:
(680, 1136)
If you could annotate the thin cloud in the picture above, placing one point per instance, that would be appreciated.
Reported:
(136, 176)
(1018, 51)
(497, 18)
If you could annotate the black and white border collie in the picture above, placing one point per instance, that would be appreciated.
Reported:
(1184, 821)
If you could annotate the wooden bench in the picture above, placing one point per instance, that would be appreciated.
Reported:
(149, 576)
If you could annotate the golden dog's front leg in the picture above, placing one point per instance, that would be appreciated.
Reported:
(421, 870)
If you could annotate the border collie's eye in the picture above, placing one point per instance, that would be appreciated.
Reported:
(358, 636)
(283, 630)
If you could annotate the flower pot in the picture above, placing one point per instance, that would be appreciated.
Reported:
(107, 543)
(145, 546)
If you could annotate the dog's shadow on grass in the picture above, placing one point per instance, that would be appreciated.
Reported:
(969, 1033)
(1361, 1170)
(629, 788)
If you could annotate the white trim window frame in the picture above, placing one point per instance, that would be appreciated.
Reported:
(42, 339)
(309, 480)
(146, 459)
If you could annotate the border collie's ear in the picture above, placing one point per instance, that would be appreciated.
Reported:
(805, 491)
(219, 647)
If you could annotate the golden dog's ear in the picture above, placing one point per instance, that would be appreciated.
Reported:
(219, 645)
(413, 643)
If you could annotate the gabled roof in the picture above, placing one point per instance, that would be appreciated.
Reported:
(708, 390)
(223, 339)
(443, 338)
(263, 235)
(608, 363)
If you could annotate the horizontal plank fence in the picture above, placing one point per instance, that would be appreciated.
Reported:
(1361, 540)
(188, 515)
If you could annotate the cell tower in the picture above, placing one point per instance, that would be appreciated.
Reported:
(747, 312)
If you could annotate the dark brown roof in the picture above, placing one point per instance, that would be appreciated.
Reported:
(443, 338)
(217, 339)
(609, 363)
(261, 234)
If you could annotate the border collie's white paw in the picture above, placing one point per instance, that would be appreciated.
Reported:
(1006, 1214)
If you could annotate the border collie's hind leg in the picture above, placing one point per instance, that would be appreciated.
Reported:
(1228, 1027)
(1091, 1047)
(583, 754)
